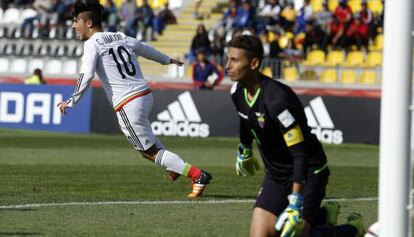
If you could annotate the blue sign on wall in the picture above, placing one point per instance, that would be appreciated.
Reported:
(35, 107)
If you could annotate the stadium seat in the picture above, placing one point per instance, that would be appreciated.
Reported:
(355, 5)
(4, 62)
(299, 40)
(374, 59)
(35, 63)
(348, 76)
(332, 4)
(290, 73)
(59, 50)
(316, 5)
(375, 6)
(26, 49)
(309, 75)
(35, 34)
(328, 76)
(70, 67)
(314, 58)
(11, 16)
(268, 72)
(27, 13)
(354, 58)
(285, 39)
(42, 50)
(53, 66)
(53, 32)
(3, 32)
(76, 51)
(379, 42)
(368, 77)
(1, 15)
(334, 58)
(9, 49)
(70, 34)
(18, 65)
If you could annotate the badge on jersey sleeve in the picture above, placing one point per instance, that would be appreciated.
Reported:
(293, 136)
(286, 118)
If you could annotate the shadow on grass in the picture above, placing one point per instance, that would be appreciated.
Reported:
(224, 196)
(20, 233)
(18, 209)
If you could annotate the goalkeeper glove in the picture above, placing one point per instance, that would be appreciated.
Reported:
(246, 163)
(290, 221)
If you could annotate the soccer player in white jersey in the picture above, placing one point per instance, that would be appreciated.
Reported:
(113, 56)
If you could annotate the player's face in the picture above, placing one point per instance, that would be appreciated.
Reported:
(238, 65)
(81, 27)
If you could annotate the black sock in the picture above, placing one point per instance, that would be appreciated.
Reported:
(335, 231)
(320, 217)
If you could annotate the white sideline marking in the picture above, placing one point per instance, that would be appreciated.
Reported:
(163, 202)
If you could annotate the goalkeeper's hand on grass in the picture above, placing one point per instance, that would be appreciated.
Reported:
(290, 223)
(246, 163)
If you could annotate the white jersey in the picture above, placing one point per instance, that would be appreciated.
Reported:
(113, 56)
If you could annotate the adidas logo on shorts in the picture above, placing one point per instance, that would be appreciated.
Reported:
(321, 122)
(181, 118)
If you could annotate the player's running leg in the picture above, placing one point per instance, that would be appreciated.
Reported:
(177, 166)
(134, 122)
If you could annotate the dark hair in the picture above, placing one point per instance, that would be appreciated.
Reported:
(251, 44)
(92, 10)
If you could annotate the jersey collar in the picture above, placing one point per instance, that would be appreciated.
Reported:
(250, 103)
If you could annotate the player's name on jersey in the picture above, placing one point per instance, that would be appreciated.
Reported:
(110, 38)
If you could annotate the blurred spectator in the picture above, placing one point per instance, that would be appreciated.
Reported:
(197, 5)
(21, 3)
(291, 52)
(343, 13)
(268, 16)
(126, 14)
(324, 18)
(200, 40)
(43, 9)
(110, 15)
(4, 4)
(379, 20)
(336, 32)
(217, 50)
(288, 17)
(63, 14)
(36, 78)
(247, 31)
(145, 16)
(163, 18)
(314, 35)
(273, 51)
(245, 16)
(367, 18)
(305, 15)
(206, 74)
(228, 19)
(357, 33)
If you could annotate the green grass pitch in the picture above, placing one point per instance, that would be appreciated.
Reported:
(97, 185)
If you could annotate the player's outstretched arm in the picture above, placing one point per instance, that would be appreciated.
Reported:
(62, 106)
(176, 62)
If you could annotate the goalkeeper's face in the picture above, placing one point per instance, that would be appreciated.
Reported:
(239, 66)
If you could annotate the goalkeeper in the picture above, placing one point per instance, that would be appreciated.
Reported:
(296, 170)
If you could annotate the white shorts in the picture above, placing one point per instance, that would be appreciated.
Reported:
(134, 122)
